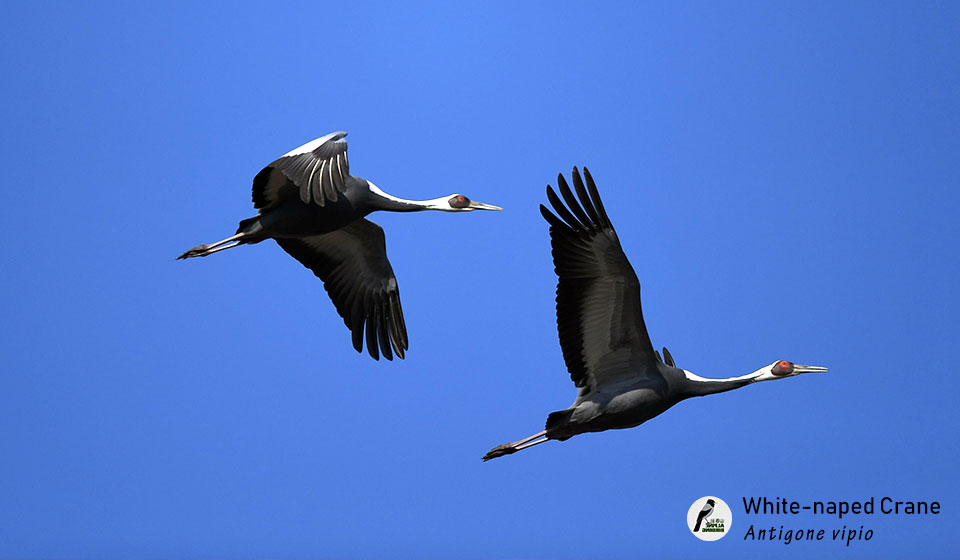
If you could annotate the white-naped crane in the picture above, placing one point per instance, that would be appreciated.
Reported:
(312, 206)
(621, 380)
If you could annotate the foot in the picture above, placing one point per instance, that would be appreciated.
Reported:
(500, 451)
(198, 251)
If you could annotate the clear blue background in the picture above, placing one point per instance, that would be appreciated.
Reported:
(783, 177)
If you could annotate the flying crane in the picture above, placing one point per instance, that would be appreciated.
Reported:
(621, 380)
(310, 204)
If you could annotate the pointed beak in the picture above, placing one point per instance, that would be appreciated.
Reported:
(481, 206)
(797, 369)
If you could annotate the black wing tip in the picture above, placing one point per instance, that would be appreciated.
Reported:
(586, 205)
(357, 340)
(586, 196)
(387, 351)
(374, 351)
(565, 218)
(395, 343)
(579, 206)
(383, 329)
(551, 218)
(594, 195)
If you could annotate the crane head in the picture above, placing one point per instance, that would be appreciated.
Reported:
(784, 368)
(460, 203)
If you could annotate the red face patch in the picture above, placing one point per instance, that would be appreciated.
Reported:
(459, 201)
(782, 367)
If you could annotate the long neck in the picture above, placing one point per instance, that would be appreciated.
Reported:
(696, 386)
(380, 200)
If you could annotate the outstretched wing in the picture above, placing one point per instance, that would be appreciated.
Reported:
(352, 262)
(599, 320)
(315, 172)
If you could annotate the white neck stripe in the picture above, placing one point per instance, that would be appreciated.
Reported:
(434, 203)
(376, 190)
(696, 378)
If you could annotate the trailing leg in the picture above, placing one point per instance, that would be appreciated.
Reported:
(250, 231)
(513, 447)
(204, 250)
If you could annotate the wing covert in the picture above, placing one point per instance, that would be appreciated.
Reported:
(316, 172)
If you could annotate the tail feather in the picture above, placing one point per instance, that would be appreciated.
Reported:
(247, 225)
(558, 419)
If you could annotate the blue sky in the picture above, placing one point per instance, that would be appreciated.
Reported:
(782, 176)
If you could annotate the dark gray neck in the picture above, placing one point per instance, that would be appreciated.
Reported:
(376, 199)
(691, 385)
(388, 205)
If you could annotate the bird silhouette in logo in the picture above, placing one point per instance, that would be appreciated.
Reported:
(707, 510)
